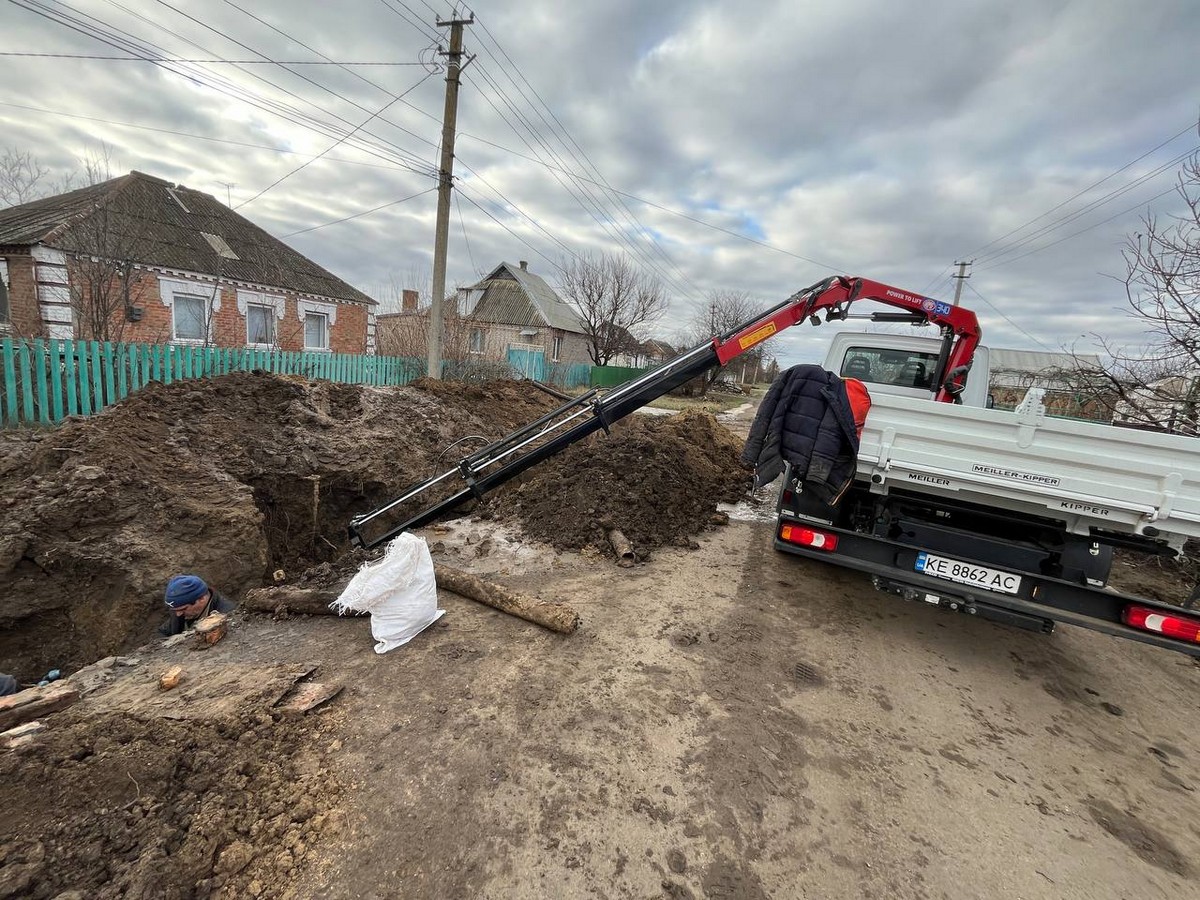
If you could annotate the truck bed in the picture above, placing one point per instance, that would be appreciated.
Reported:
(1088, 475)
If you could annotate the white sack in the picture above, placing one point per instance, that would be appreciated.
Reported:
(398, 590)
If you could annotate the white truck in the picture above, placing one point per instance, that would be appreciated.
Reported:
(1009, 515)
(1012, 516)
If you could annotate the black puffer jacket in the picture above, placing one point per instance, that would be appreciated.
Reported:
(805, 420)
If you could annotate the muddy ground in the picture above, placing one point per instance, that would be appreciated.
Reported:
(236, 478)
(727, 723)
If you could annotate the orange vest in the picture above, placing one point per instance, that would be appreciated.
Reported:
(860, 401)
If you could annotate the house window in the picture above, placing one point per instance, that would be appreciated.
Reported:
(5, 312)
(260, 325)
(316, 331)
(190, 317)
(476, 340)
(557, 351)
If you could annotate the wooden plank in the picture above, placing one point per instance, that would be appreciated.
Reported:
(307, 697)
(122, 364)
(41, 366)
(32, 703)
(69, 357)
(97, 361)
(135, 367)
(85, 382)
(27, 407)
(54, 368)
(110, 380)
(10, 381)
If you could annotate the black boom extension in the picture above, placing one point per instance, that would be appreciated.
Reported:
(486, 469)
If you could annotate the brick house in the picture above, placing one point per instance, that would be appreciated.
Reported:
(139, 259)
(516, 317)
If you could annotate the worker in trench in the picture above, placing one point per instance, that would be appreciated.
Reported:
(189, 599)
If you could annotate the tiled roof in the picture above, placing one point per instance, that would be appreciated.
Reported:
(516, 296)
(173, 227)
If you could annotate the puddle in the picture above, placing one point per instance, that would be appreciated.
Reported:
(758, 507)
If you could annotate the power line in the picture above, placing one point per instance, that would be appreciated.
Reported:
(979, 250)
(316, 84)
(1090, 207)
(335, 144)
(209, 60)
(511, 232)
(196, 137)
(1074, 234)
(661, 208)
(463, 224)
(415, 21)
(587, 163)
(517, 209)
(105, 33)
(585, 198)
(359, 215)
(998, 312)
(432, 68)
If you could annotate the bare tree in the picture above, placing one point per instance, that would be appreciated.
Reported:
(614, 299)
(22, 177)
(1157, 385)
(722, 312)
(104, 247)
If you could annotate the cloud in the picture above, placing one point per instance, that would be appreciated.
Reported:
(862, 136)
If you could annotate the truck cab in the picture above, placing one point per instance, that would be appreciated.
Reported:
(901, 365)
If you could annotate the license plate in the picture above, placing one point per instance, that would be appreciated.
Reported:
(967, 573)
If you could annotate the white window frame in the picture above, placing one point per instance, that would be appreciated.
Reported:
(328, 325)
(206, 292)
(269, 311)
(205, 319)
(471, 341)
(556, 348)
(328, 310)
(277, 303)
(6, 288)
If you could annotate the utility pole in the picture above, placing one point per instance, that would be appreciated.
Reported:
(961, 277)
(445, 185)
(229, 185)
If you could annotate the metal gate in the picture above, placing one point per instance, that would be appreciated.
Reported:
(528, 361)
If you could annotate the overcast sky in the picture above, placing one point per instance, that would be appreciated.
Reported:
(757, 148)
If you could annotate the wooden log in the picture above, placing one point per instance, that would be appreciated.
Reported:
(315, 601)
(555, 616)
(25, 706)
(21, 736)
(210, 629)
(293, 600)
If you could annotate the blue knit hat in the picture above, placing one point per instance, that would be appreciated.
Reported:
(184, 590)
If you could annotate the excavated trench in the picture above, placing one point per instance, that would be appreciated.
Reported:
(236, 477)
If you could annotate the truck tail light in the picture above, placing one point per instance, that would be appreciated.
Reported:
(808, 537)
(1179, 627)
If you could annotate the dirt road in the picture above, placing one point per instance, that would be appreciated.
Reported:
(733, 723)
(728, 722)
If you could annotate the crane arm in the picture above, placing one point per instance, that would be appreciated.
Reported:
(511, 455)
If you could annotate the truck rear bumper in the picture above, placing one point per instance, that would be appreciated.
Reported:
(1039, 599)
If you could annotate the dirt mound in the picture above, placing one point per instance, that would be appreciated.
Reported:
(658, 480)
(115, 806)
(229, 477)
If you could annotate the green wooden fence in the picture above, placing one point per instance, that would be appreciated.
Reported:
(44, 381)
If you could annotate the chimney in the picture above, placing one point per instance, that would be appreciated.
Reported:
(524, 266)
(408, 301)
